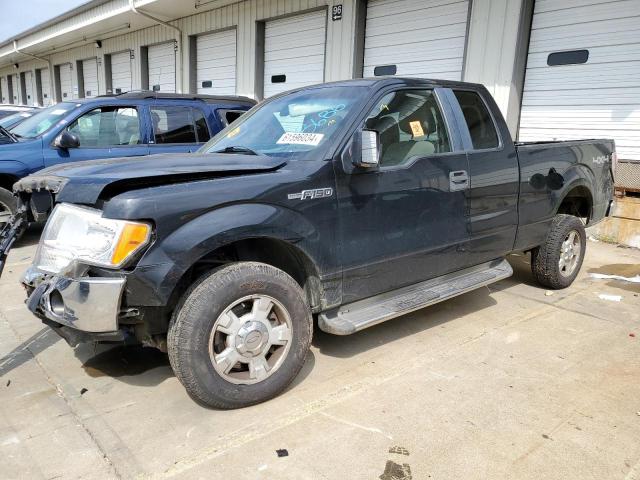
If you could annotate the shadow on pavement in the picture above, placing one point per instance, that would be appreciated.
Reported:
(134, 365)
(27, 350)
(421, 320)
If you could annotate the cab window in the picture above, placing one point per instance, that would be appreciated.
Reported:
(410, 125)
(481, 127)
(107, 127)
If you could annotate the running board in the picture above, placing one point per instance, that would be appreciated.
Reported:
(362, 314)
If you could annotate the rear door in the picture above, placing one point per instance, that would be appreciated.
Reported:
(178, 127)
(407, 221)
(107, 131)
(494, 176)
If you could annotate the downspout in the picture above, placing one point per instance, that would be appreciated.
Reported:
(49, 63)
(133, 8)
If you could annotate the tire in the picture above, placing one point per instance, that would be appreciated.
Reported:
(8, 204)
(549, 262)
(217, 343)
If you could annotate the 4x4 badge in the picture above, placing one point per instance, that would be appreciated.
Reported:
(311, 194)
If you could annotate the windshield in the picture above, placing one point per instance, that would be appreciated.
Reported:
(300, 123)
(42, 121)
(12, 120)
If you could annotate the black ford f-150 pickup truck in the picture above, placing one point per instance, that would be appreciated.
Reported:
(352, 202)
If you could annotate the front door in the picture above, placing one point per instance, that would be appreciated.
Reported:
(407, 221)
(104, 132)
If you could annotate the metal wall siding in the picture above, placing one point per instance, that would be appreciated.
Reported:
(600, 98)
(242, 15)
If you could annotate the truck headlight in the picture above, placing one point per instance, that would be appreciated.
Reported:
(76, 233)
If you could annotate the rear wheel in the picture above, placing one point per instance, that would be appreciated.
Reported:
(240, 335)
(556, 263)
(8, 206)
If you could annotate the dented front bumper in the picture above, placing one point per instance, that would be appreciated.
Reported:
(87, 308)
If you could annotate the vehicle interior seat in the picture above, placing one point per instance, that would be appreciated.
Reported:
(416, 146)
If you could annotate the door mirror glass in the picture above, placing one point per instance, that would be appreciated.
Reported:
(369, 149)
(66, 140)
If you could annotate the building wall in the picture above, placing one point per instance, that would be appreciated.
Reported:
(340, 47)
(497, 49)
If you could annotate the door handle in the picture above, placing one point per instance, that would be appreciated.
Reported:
(458, 180)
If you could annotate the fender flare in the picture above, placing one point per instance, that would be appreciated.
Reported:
(165, 263)
(575, 176)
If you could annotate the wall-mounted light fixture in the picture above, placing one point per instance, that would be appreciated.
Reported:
(16, 66)
(98, 43)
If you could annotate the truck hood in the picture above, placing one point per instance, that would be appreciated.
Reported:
(86, 182)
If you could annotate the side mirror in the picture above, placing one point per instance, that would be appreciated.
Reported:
(66, 140)
(369, 150)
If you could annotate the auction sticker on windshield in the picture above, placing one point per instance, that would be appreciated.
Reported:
(301, 138)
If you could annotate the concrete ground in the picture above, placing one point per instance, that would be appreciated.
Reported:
(504, 382)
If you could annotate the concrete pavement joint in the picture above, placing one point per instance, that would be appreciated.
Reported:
(64, 397)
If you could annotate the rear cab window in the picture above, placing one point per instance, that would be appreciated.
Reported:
(176, 124)
(482, 128)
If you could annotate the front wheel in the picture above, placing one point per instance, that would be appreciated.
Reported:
(240, 335)
(8, 206)
(556, 263)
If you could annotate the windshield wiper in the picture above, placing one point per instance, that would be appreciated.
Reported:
(237, 149)
(7, 133)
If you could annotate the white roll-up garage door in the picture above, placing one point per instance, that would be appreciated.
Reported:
(162, 67)
(45, 85)
(90, 77)
(15, 81)
(294, 52)
(28, 88)
(66, 82)
(415, 38)
(592, 89)
(216, 63)
(4, 87)
(121, 78)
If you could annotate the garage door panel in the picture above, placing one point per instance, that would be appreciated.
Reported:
(66, 82)
(216, 63)
(436, 50)
(598, 56)
(381, 8)
(90, 76)
(162, 66)
(605, 96)
(45, 83)
(606, 32)
(600, 98)
(587, 14)
(121, 76)
(589, 77)
(295, 48)
(421, 38)
(411, 23)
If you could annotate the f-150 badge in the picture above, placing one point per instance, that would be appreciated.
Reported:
(311, 194)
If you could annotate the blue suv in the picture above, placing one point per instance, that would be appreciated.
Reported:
(126, 125)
